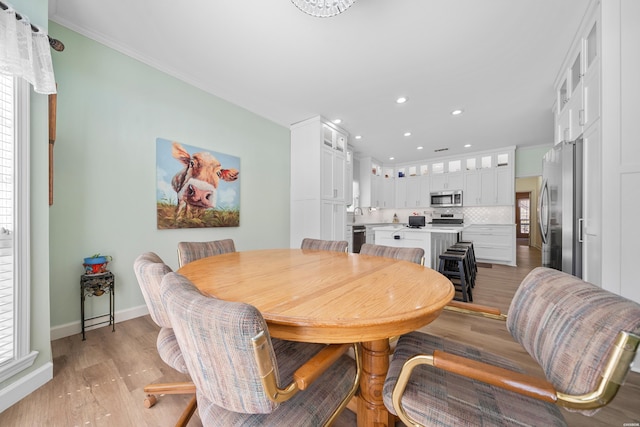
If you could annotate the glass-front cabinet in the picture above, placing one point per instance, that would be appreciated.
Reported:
(578, 87)
(486, 178)
(489, 179)
(412, 186)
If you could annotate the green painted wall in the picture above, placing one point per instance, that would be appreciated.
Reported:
(529, 160)
(111, 109)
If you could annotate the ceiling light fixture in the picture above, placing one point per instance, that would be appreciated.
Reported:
(323, 8)
(358, 136)
(407, 134)
(337, 121)
(467, 145)
(420, 148)
(392, 158)
(456, 112)
(401, 100)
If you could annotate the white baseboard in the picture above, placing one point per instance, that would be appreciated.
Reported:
(26, 385)
(74, 328)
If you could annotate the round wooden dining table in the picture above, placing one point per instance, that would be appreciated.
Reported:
(331, 297)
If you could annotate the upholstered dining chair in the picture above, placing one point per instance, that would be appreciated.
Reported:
(191, 251)
(150, 269)
(325, 245)
(242, 377)
(415, 255)
(583, 337)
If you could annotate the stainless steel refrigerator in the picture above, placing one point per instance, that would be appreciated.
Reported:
(560, 207)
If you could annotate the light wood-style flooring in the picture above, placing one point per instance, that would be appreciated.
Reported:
(98, 382)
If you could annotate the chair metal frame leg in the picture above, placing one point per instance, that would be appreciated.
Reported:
(186, 387)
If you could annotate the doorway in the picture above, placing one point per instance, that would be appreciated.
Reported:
(523, 217)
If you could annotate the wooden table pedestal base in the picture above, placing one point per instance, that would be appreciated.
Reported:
(375, 363)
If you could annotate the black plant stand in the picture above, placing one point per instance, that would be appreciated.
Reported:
(96, 285)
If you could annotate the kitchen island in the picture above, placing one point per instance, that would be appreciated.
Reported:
(433, 239)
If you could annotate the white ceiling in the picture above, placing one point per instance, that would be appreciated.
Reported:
(495, 59)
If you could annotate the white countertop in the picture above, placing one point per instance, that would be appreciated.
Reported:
(426, 229)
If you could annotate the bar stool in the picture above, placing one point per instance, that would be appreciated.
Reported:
(469, 244)
(453, 266)
(469, 259)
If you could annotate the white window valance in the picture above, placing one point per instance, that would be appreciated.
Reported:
(25, 52)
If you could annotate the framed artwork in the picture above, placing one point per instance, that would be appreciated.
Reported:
(196, 188)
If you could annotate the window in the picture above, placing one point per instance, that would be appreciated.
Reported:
(14, 227)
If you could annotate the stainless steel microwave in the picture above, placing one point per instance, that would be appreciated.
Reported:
(446, 199)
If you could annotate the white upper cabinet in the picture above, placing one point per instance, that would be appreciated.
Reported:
(447, 175)
(489, 179)
(370, 183)
(575, 107)
(348, 180)
(578, 91)
(486, 179)
(412, 186)
(334, 152)
(591, 79)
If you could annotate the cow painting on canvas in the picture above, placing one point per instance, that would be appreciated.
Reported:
(196, 187)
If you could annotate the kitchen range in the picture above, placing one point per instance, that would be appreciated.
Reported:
(447, 219)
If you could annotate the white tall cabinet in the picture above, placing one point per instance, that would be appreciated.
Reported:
(609, 42)
(577, 109)
(318, 181)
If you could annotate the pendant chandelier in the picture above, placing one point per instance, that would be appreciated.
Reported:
(323, 8)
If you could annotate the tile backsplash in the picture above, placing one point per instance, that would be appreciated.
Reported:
(472, 214)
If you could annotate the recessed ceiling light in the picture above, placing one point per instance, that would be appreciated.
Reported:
(401, 100)
(337, 121)
(358, 136)
(392, 158)
(407, 134)
(420, 148)
(456, 112)
(467, 145)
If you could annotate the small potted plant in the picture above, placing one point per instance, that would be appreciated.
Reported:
(96, 264)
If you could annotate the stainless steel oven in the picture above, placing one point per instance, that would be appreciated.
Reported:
(359, 237)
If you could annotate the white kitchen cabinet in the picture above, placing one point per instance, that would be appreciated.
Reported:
(563, 120)
(447, 181)
(370, 235)
(348, 190)
(489, 179)
(575, 105)
(578, 91)
(401, 193)
(480, 187)
(409, 192)
(592, 206)
(388, 199)
(433, 242)
(493, 243)
(505, 186)
(318, 181)
(334, 147)
(425, 191)
(591, 74)
(333, 219)
(370, 183)
(413, 187)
